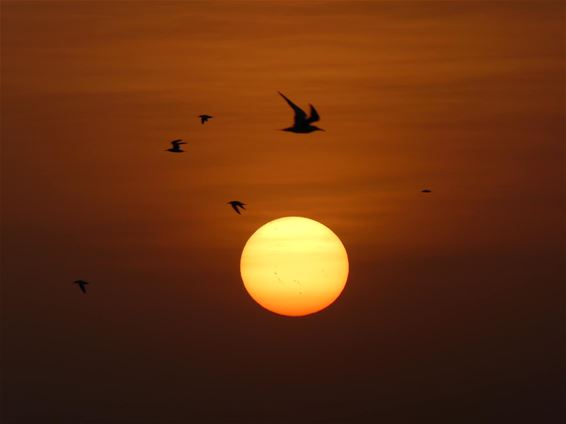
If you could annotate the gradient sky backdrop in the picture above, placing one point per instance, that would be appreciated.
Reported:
(454, 306)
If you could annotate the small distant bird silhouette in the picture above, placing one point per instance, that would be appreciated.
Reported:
(302, 124)
(237, 204)
(82, 285)
(426, 190)
(204, 118)
(176, 146)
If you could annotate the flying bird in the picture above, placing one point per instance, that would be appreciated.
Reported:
(176, 146)
(82, 285)
(237, 204)
(204, 118)
(426, 190)
(302, 123)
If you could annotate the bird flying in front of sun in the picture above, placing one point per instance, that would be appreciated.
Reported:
(294, 266)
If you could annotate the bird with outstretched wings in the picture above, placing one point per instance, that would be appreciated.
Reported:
(237, 204)
(82, 285)
(302, 122)
(176, 146)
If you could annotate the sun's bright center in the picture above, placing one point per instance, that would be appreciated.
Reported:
(294, 266)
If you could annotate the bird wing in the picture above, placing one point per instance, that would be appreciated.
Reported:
(176, 143)
(235, 207)
(314, 116)
(82, 285)
(300, 115)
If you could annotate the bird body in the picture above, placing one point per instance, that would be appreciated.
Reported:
(237, 204)
(204, 118)
(176, 146)
(426, 190)
(302, 123)
(82, 285)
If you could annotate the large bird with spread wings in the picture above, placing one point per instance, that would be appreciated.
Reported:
(302, 123)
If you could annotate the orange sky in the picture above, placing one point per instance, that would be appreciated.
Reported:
(463, 97)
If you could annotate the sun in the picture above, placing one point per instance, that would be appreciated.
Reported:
(294, 266)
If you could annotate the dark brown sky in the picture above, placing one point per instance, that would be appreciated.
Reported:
(454, 309)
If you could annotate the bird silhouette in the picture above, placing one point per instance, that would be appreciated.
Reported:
(302, 123)
(176, 146)
(237, 204)
(426, 190)
(82, 285)
(204, 118)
